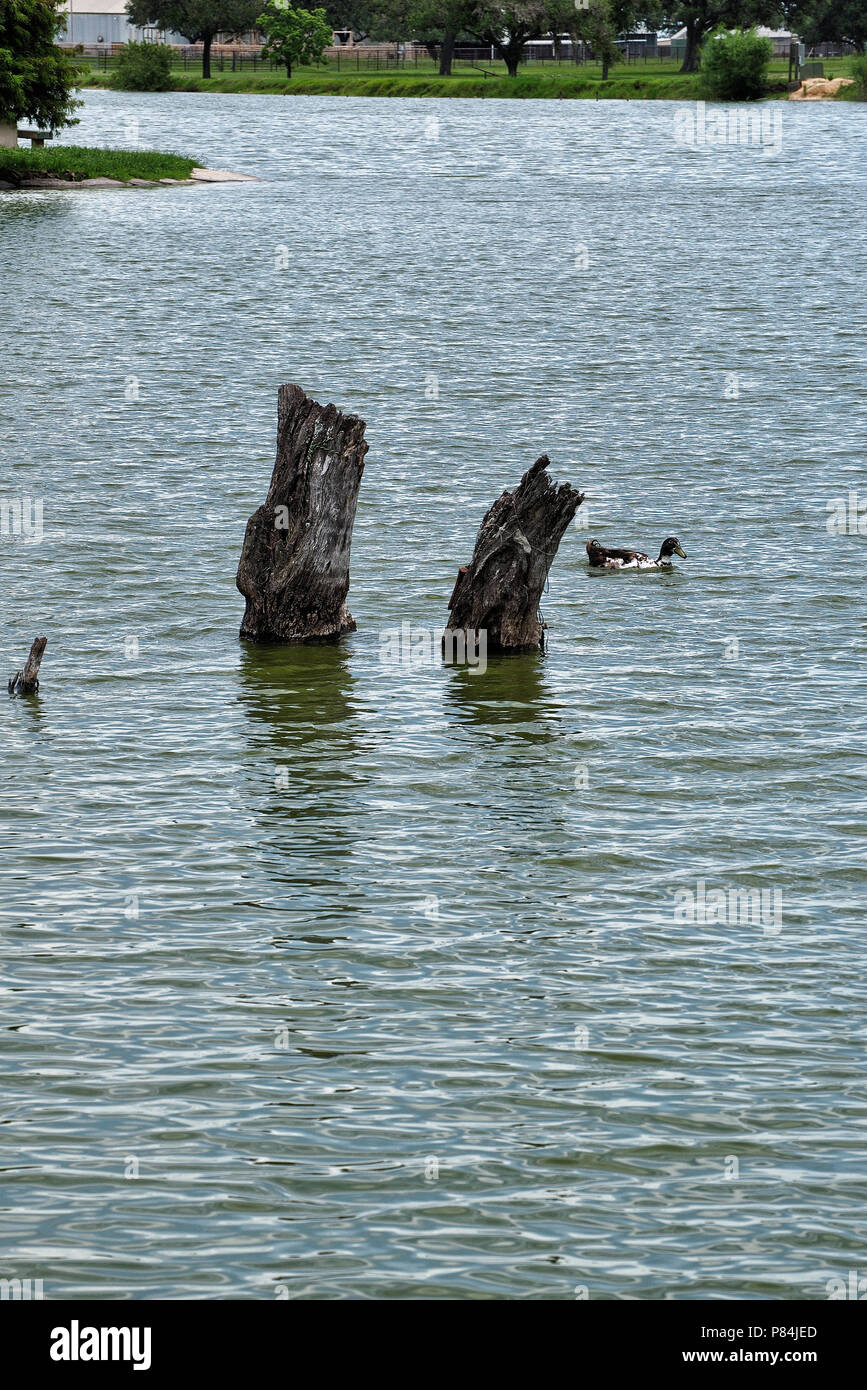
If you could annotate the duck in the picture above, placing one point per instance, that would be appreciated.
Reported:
(601, 558)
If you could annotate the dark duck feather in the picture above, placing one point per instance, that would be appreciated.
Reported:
(603, 557)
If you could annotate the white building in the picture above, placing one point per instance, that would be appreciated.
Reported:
(104, 22)
(780, 40)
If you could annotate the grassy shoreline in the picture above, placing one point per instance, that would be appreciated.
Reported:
(77, 162)
(626, 81)
(675, 88)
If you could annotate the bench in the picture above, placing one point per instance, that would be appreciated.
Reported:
(37, 138)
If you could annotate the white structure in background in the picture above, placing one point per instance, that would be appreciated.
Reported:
(104, 22)
(780, 40)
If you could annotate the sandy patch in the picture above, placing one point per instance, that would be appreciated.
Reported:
(819, 88)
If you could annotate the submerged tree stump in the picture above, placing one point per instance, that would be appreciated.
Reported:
(294, 567)
(26, 682)
(499, 591)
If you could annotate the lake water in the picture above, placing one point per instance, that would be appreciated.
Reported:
(329, 977)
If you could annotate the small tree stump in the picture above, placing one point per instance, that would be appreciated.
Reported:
(294, 567)
(26, 682)
(499, 591)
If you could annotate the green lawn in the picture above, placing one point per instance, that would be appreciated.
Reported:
(538, 85)
(632, 81)
(58, 161)
(533, 81)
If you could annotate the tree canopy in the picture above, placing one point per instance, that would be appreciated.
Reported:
(36, 77)
(197, 20)
(380, 21)
(701, 17)
(437, 23)
(509, 26)
(598, 23)
(831, 21)
(293, 35)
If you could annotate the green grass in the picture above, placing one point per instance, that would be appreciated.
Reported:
(627, 81)
(531, 87)
(858, 72)
(536, 82)
(59, 160)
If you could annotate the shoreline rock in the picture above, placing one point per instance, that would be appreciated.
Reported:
(820, 88)
(220, 176)
(198, 176)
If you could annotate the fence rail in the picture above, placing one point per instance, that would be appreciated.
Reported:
(237, 59)
(352, 60)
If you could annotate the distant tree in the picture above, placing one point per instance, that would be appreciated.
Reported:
(560, 16)
(36, 77)
(199, 21)
(599, 23)
(831, 21)
(389, 22)
(349, 14)
(508, 27)
(701, 17)
(437, 24)
(293, 36)
(382, 21)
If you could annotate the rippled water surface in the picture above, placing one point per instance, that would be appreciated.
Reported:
(374, 975)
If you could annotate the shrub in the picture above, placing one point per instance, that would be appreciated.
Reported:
(734, 65)
(143, 67)
(859, 73)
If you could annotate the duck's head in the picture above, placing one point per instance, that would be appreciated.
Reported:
(671, 546)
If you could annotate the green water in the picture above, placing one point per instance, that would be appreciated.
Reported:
(326, 976)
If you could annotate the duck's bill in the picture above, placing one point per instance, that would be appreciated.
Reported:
(679, 550)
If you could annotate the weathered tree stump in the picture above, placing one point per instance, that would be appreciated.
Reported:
(26, 682)
(294, 567)
(499, 591)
